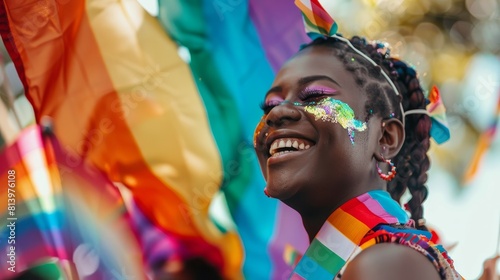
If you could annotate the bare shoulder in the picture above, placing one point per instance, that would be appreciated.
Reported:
(390, 261)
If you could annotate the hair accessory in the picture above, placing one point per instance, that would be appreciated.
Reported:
(389, 176)
(316, 19)
(318, 22)
(266, 193)
(382, 48)
(440, 131)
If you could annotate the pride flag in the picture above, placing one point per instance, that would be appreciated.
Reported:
(174, 133)
(58, 212)
(483, 144)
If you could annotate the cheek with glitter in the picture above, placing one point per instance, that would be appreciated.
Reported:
(258, 130)
(336, 111)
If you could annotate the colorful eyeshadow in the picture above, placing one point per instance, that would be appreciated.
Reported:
(319, 88)
(336, 111)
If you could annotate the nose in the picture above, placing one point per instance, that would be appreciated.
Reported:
(283, 113)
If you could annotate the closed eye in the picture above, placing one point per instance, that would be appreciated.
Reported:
(314, 95)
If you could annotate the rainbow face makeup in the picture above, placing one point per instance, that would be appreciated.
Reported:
(336, 111)
(327, 109)
(257, 130)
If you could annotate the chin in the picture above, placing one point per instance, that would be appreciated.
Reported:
(280, 188)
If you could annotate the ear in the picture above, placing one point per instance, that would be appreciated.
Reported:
(391, 139)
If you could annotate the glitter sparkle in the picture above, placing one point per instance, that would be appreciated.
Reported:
(335, 111)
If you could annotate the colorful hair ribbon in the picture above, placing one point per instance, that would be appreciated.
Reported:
(318, 22)
(316, 19)
(440, 131)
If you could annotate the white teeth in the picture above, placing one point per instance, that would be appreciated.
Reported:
(280, 153)
(274, 146)
(282, 144)
(296, 144)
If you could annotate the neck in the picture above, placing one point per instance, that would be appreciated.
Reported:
(314, 218)
(313, 224)
(315, 210)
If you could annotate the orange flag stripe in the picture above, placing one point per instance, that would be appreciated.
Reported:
(120, 96)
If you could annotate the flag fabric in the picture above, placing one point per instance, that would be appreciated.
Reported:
(483, 144)
(58, 212)
(236, 48)
(122, 99)
(175, 133)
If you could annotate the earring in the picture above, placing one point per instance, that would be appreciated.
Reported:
(266, 193)
(389, 176)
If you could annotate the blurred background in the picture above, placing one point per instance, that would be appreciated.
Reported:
(454, 44)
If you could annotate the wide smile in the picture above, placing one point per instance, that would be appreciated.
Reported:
(284, 147)
(287, 145)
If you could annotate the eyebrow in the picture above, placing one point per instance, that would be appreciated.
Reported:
(304, 81)
(273, 89)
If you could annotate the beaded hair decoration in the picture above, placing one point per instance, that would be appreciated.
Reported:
(318, 22)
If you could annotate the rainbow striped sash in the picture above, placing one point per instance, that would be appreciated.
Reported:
(343, 231)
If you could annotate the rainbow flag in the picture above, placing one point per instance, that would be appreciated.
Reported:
(58, 212)
(483, 144)
(236, 48)
(174, 132)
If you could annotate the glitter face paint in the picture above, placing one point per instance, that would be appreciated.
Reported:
(336, 111)
(327, 110)
(258, 129)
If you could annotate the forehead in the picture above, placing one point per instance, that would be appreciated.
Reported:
(317, 61)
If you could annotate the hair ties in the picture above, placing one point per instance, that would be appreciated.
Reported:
(440, 130)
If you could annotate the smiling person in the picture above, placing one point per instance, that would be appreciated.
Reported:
(333, 133)
(345, 133)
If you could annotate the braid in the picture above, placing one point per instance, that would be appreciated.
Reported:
(412, 162)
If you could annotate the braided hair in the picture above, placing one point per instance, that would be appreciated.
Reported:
(412, 162)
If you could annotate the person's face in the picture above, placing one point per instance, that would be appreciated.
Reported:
(325, 157)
